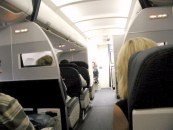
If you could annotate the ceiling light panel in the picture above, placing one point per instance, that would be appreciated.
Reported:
(96, 9)
(64, 2)
(102, 32)
(102, 23)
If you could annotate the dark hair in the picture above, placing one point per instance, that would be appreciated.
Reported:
(64, 61)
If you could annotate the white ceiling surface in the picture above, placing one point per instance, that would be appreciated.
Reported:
(96, 18)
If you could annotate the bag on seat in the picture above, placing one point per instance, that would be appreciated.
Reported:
(41, 121)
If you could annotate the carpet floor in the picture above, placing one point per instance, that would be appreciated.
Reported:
(100, 116)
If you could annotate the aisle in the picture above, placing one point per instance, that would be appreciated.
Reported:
(100, 115)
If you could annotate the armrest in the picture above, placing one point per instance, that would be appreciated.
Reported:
(85, 90)
(71, 104)
(84, 93)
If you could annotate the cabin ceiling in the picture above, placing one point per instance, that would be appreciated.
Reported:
(91, 18)
(94, 18)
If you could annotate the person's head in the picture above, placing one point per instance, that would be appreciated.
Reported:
(94, 64)
(45, 60)
(128, 49)
(64, 61)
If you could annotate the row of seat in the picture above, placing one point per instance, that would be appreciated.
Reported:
(71, 73)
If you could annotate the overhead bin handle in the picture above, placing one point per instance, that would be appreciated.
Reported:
(145, 3)
(36, 7)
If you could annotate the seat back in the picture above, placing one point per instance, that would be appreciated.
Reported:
(72, 80)
(83, 70)
(80, 64)
(85, 74)
(72, 65)
(150, 84)
(153, 119)
(35, 87)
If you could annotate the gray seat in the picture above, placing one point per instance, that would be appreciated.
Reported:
(150, 86)
(73, 108)
(83, 70)
(70, 75)
(35, 87)
(72, 80)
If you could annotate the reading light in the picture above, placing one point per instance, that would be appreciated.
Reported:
(24, 30)
(17, 31)
(158, 16)
(153, 16)
(72, 49)
(61, 45)
(21, 30)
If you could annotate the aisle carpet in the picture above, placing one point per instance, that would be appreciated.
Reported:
(100, 115)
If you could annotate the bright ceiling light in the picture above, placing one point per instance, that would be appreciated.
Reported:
(64, 2)
(103, 32)
(102, 24)
(97, 9)
(97, 17)
(60, 2)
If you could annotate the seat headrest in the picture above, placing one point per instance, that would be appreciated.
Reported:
(69, 65)
(80, 64)
(150, 79)
(64, 61)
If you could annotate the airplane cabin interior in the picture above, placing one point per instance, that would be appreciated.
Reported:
(49, 50)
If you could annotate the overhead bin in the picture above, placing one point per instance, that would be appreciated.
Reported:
(25, 5)
(154, 23)
(34, 86)
(10, 13)
(160, 2)
(62, 44)
(56, 22)
(155, 3)
(47, 16)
